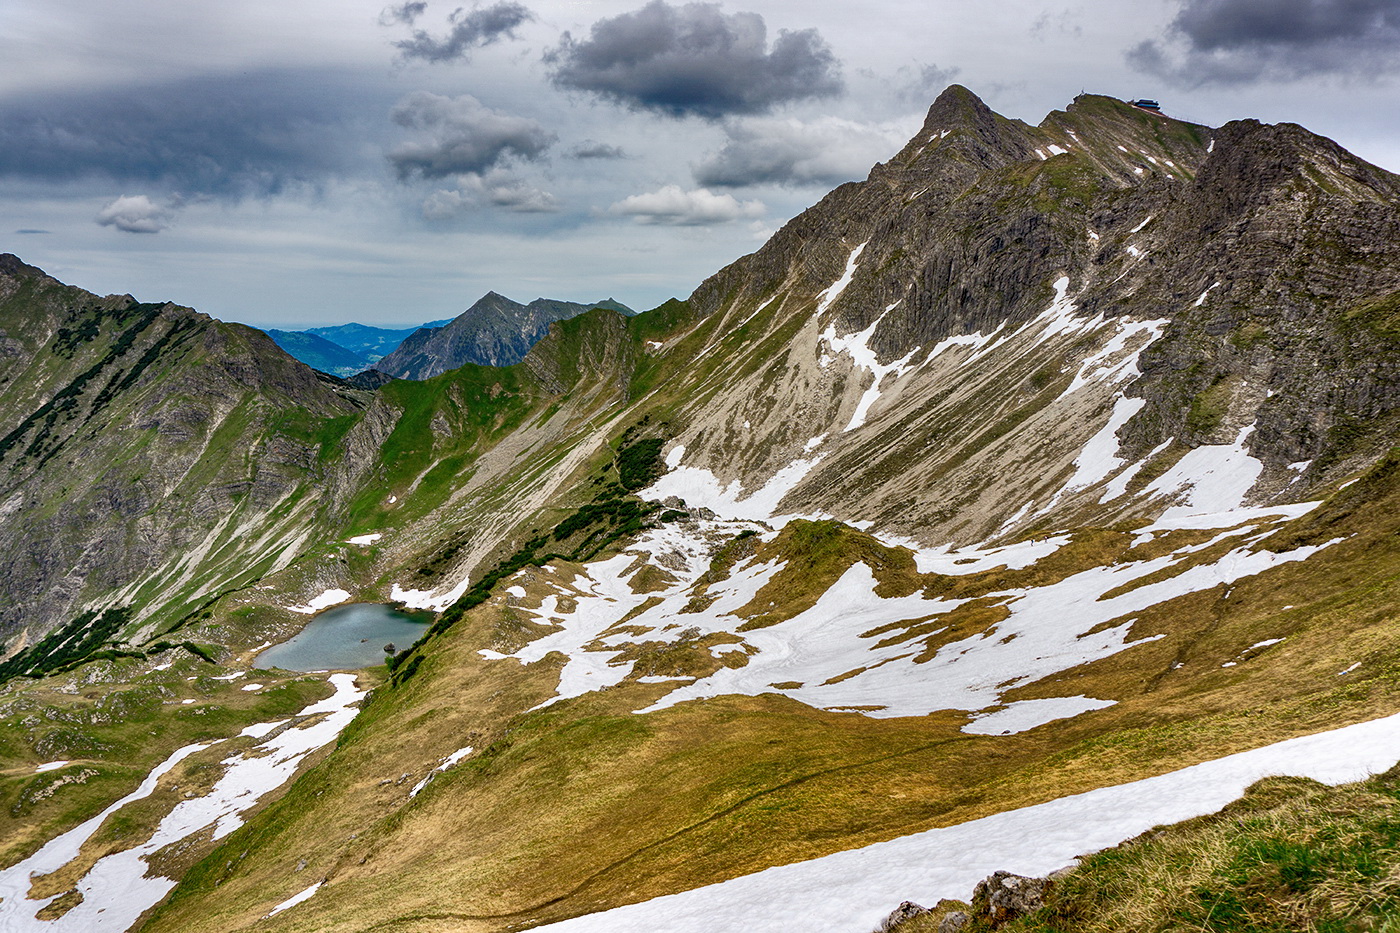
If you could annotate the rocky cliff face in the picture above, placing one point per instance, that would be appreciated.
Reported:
(142, 442)
(1219, 282)
(493, 332)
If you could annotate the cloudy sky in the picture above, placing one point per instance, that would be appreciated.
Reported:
(291, 163)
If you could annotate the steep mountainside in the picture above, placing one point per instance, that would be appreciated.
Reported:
(493, 332)
(1045, 459)
(152, 457)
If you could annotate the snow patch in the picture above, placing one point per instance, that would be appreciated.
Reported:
(295, 899)
(834, 291)
(1027, 714)
(324, 601)
(429, 599)
(443, 765)
(364, 540)
(50, 766)
(855, 889)
(857, 347)
(702, 489)
(1210, 479)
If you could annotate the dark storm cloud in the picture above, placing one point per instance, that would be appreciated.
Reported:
(461, 136)
(227, 136)
(405, 13)
(470, 30)
(1233, 41)
(695, 60)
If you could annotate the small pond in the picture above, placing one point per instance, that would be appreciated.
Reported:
(350, 636)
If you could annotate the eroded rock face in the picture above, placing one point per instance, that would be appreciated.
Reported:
(1004, 896)
(133, 433)
(904, 912)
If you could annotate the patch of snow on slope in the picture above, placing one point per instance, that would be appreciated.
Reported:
(834, 291)
(1060, 317)
(603, 595)
(1210, 479)
(295, 899)
(364, 540)
(1099, 457)
(857, 347)
(976, 560)
(1141, 225)
(1202, 300)
(1118, 486)
(446, 763)
(117, 890)
(1056, 150)
(324, 601)
(1048, 629)
(429, 599)
(855, 889)
(702, 489)
(1112, 363)
(975, 341)
(1027, 714)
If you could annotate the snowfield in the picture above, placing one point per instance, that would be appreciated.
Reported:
(852, 891)
(855, 650)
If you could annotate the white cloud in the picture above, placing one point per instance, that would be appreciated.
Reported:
(134, 214)
(787, 151)
(496, 190)
(676, 207)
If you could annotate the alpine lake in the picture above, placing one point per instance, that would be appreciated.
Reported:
(346, 637)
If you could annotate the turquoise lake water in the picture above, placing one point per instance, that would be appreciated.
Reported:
(350, 636)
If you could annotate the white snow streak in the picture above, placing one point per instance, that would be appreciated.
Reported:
(296, 899)
(854, 890)
(117, 890)
(857, 347)
(1210, 479)
(834, 291)
(701, 488)
(1027, 714)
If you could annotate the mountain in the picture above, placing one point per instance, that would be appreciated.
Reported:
(494, 332)
(319, 353)
(373, 343)
(1046, 460)
(152, 456)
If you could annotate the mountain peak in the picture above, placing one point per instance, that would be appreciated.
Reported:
(957, 106)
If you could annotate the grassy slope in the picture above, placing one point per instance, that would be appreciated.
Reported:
(114, 729)
(529, 830)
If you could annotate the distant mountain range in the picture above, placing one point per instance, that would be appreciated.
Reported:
(495, 331)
